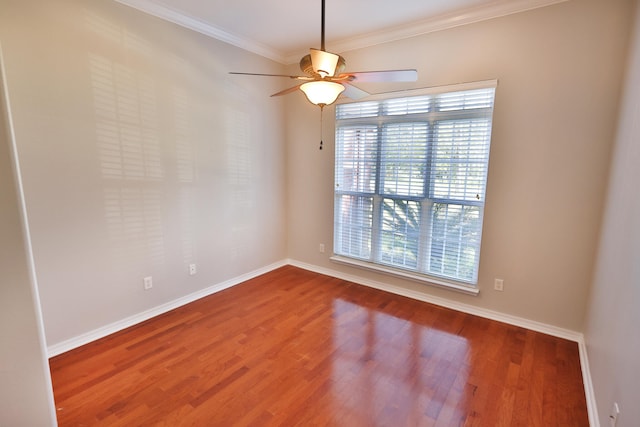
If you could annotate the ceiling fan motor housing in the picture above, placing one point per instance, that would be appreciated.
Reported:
(306, 66)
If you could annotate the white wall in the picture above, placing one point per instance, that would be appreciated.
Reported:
(140, 154)
(26, 398)
(559, 71)
(612, 336)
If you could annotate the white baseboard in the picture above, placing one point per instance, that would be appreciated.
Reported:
(592, 408)
(443, 302)
(578, 337)
(481, 312)
(111, 328)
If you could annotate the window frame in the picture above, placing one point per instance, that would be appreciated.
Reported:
(381, 122)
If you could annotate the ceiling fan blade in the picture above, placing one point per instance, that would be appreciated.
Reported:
(287, 91)
(323, 62)
(382, 76)
(273, 75)
(353, 92)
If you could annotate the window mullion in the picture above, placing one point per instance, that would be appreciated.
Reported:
(424, 251)
(424, 245)
(376, 231)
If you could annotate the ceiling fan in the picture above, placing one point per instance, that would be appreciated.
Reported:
(325, 78)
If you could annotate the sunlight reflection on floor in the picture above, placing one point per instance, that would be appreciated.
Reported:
(395, 363)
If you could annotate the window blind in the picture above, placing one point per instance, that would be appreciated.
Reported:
(410, 180)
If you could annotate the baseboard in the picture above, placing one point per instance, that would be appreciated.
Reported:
(443, 302)
(592, 408)
(109, 329)
(489, 314)
(577, 337)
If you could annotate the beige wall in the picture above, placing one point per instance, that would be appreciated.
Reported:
(26, 398)
(140, 154)
(559, 70)
(611, 332)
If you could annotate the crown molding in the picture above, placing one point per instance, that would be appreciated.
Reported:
(159, 11)
(438, 23)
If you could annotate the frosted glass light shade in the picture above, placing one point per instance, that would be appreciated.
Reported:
(322, 92)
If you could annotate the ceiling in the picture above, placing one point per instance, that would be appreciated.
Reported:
(284, 30)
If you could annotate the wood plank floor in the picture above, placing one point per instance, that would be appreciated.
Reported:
(296, 348)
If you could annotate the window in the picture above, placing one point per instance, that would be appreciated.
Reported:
(410, 178)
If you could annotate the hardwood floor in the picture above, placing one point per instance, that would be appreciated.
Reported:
(295, 348)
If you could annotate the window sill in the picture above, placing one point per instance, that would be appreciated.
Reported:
(432, 281)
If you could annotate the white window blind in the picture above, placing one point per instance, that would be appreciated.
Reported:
(410, 179)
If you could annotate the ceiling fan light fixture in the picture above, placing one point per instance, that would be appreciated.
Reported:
(322, 92)
(325, 79)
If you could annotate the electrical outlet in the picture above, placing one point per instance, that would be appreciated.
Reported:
(192, 269)
(321, 248)
(615, 412)
(148, 283)
(498, 285)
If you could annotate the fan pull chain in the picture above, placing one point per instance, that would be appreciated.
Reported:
(321, 111)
